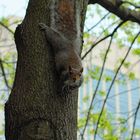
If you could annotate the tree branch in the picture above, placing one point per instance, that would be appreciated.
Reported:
(102, 69)
(105, 100)
(102, 39)
(115, 7)
(98, 22)
(6, 27)
(4, 75)
(135, 118)
(118, 94)
(95, 45)
(132, 4)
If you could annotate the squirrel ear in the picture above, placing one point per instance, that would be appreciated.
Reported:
(81, 70)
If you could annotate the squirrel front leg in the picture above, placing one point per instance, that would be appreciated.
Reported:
(62, 87)
(54, 38)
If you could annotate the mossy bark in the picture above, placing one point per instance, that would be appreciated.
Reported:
(34, 110)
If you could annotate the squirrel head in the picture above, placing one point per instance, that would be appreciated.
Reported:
(75, 74)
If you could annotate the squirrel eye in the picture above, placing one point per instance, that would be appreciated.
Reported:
(74, 79)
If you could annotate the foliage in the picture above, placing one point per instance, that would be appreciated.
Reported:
(99, 23)
(110, 126)
(8, 59)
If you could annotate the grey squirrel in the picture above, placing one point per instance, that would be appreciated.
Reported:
(67, 60)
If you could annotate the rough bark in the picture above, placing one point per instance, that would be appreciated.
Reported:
(34, 109)
(116, 7)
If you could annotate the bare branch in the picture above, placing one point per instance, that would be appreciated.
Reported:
(98, 22)
(128, 2)
(135, 118)
(129, 69)
(9, 62)
(93, 97)
(114, 7)
(95, 45)
(133, 65)
(6, 27)
(126, 120)
(118, 94)
(4, 75)
(105, 100)
(99, 41)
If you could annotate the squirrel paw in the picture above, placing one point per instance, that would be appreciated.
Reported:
(74, 87)
(66, 89)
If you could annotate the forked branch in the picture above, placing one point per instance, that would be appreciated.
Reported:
(116, 7)
(102, 70)
(112, 83)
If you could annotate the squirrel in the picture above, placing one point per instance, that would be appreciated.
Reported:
(67, 60)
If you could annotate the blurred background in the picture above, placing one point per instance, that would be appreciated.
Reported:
(109, 99)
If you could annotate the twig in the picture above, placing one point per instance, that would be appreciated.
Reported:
(95, 44)
(98, 121)
(135, 118)
(4, 75)
(118, 94)
(126, 120)
(129, 69)
(9, 62)
(2, 24)
(128, 2)
(98, 22)
(93, 97)
(133, 65)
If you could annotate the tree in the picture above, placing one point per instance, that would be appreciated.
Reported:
(34, 109)
(34, 103)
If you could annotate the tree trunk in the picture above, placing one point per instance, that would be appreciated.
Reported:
(34, 110)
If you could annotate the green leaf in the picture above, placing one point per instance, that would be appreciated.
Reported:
(86, 98)
(131, 76)
(102, 93)
(5, 21)
(126, 64)
(136, 51)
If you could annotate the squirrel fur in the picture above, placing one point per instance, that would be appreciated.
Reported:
(67, 60)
